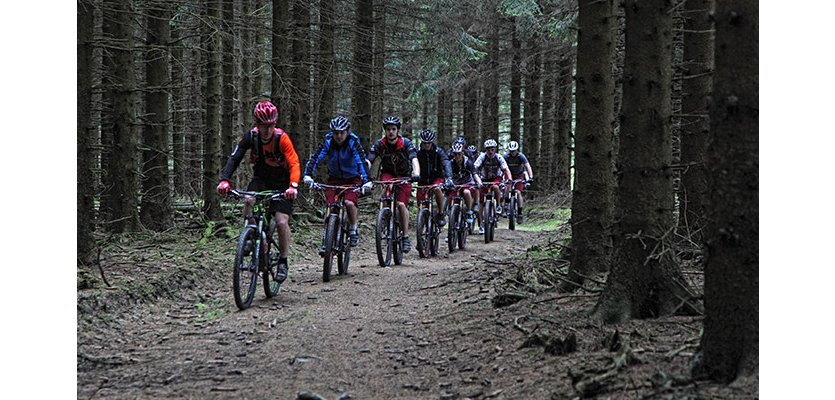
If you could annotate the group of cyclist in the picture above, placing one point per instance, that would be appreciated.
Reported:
(276, 167)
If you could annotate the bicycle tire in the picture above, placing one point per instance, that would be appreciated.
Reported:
(453, 228)
(344, 256)
(423, 233)
(488, 221)
(434, 236)
(245, 273)
(397, 245)
(330, 238)
(383, 237)
(271, 286)
(463, 232)
(511, 215)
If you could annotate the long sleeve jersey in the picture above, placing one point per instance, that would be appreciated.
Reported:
(344, 161)
(274, 161)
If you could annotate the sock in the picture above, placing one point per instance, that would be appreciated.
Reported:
(353, 228)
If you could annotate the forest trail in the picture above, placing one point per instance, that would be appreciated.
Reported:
(424, 329)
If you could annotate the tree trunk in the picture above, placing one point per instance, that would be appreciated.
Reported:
(471, 111)
(591, 205)
(563, 146)
(730, 345)
(156, 208)
(178, 100)
(698, 65)
(280, 68)
(363, 60)
(532, 100)
(228, 133)
(379, 60)
(515, 82)
(85, 215)
(548, 152)
(300, 130)
(442, 113)
(326, 66)
(211, 137)
(123, 167)
(490, 85)
(644, 282)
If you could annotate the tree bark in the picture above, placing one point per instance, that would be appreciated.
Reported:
(379, 60)
(548, 152)
(228, 133)
(156, 208)
(85, 215)
(326, 66)
(695, 126)
(280, 68)
(363, 60)
(515, 82)
(730, 345)
(471, 111)
(591, 206)
(178, 101)
(211, 137)
(644, 282)
(564, 89)
(532, 101)
(300, 130)
(123, 166)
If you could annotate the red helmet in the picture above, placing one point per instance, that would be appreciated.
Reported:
(265, 113)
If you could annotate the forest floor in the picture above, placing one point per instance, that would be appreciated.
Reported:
(482, 323)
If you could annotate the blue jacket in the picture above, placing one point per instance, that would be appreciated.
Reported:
(346, 161)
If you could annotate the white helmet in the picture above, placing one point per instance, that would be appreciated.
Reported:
(513, 145)
(490, 143)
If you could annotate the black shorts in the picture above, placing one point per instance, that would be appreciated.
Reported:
(283, 206)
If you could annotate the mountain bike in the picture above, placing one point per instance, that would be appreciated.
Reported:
(252, 255)
(389, 242)
(428, 230)
(458, 228)
(514, 216)
(489, 218)
(336, 231)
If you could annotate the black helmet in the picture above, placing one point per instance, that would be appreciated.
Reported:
(427, 136)
(340, 123)
(392, 120)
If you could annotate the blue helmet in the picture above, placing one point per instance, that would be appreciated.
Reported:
(340, 123)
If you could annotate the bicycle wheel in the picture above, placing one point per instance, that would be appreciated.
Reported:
(423, 233)
(397, 245)
(511, 215)
(434, 235)
(245, 274)
(383, 237)
(271, 286)
(488, 221)
(344, 256)
(453, 228)
(330, 239)
(463, 232)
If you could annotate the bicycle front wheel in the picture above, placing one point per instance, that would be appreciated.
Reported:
(329, 242)
(511, 215)
(423, 233)
(245, 274)
(489, 215)
(271, 286)
(344, 256)
(383, 237)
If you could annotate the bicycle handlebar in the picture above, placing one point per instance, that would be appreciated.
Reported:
(323, 186)
(272, 194)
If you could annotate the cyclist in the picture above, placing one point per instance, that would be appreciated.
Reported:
(346, 166)
(491, 167)
(434, 169)
(463, 173)
(398, 160)
(520, 168)
(470, 151)
(276, 167)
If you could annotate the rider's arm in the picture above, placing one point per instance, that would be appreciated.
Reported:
(412, 152)
(316, 157)
(504, 167)
(292, 158)
(446, 164)
(528, 169)
(471, 168)
(235, 158)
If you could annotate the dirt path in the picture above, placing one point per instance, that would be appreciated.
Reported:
(420, 330)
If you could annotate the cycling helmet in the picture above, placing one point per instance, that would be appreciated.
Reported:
(340, 123)
(457, 148)
(391, 121)
(427, 136)
(460, 140)
(265, 113)
(472, 149)
(513, 145)
(490, 143)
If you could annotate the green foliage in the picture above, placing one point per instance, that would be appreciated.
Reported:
(519, 8)
(209, 312)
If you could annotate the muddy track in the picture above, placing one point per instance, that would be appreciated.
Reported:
(419, 330)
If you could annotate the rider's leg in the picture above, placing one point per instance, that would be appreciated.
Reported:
(468, 200)
(353, 235)
(439, 203)
(404, 218)
(282, 226)
(249, 201)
